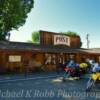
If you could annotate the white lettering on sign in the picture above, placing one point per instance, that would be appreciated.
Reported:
(61, 40)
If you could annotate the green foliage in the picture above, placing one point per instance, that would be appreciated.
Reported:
(13, 14)
(70, 33)
(74, 34)
(35, 38)
(81, 44)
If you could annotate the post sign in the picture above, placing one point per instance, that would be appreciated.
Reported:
(61, 40)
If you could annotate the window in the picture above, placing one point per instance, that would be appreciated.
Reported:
(14, 58)
(72, 56)
(50, 59)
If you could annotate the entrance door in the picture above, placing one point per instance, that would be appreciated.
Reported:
(70, 56)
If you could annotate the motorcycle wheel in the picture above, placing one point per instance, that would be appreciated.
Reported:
(90, 84)
(66, 76)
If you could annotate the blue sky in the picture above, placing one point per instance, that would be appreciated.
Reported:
(81, 16)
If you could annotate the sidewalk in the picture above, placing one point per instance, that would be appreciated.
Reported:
(16, 77)
(43, 75)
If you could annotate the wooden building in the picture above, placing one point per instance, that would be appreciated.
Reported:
(53, 48)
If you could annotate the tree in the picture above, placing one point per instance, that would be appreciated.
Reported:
(74, 34)
(70, 33)
(35, 38)
(13, 14)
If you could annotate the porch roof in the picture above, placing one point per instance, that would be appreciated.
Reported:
(24, 46)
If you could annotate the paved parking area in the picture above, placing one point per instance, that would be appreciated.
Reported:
(22, 77)
(47, 89)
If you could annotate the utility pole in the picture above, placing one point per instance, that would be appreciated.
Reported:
(88, 41)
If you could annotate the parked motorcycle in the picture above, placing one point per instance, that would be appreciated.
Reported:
(95, 77)
(75, 72)
(71, 74)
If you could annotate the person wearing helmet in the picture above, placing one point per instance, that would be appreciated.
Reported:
(96, 67)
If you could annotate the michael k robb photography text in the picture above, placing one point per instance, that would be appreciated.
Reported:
(60, 93)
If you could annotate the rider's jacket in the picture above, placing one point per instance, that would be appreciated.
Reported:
(96, 67)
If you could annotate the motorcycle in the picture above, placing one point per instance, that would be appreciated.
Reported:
(83, 68)
(95, 77)
(74, 73)
(71, 74)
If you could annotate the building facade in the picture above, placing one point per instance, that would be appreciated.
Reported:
(18, 57)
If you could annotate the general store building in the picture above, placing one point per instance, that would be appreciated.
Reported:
(53, 48)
